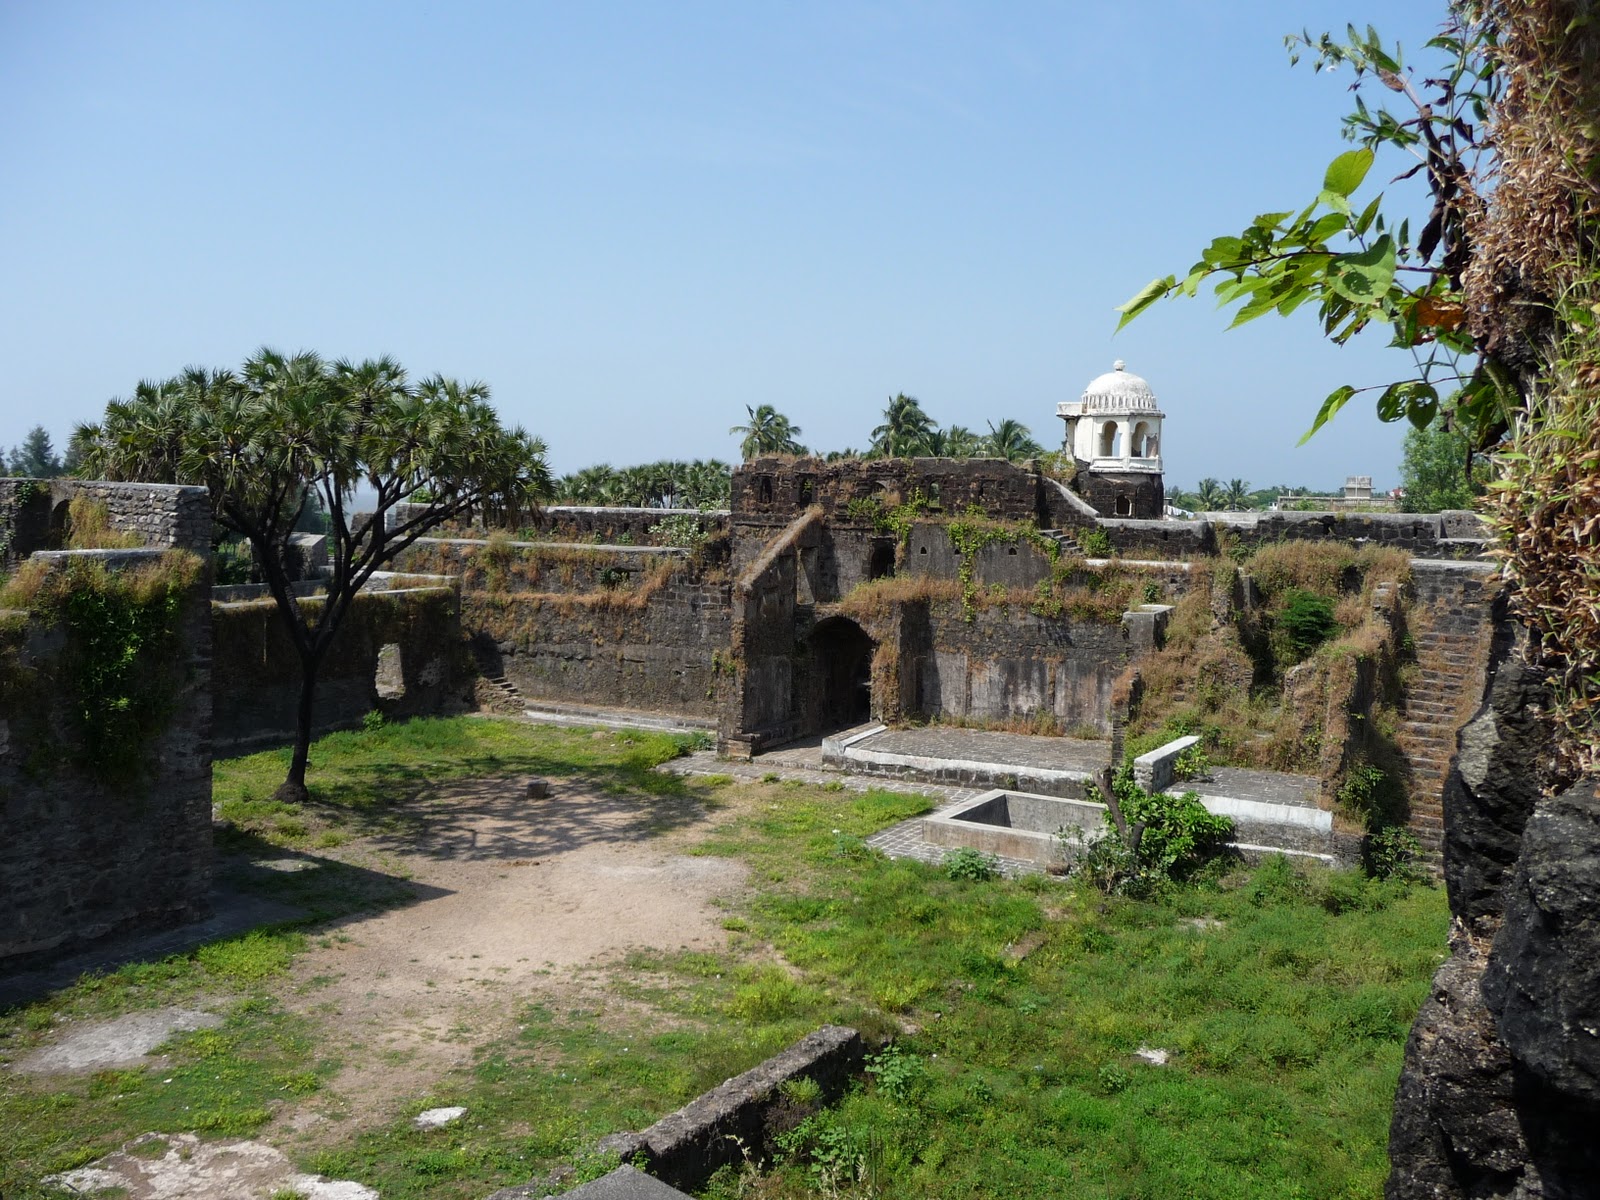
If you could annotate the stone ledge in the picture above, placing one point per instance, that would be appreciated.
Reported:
(686, 1147)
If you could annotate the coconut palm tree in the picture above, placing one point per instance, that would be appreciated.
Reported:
(1236, 495)
(1210, 495)
(961, 442)
(769, 432)
(905, 429)
(1011, 440)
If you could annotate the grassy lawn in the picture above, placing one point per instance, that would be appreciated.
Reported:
(1018, 1006)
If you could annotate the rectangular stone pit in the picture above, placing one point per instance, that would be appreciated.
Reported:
(1018, 825)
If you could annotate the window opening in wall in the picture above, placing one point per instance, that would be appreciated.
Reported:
(60, 526)
(1141, 440)
(764, 489)
(389, 676)
(807, 489)
(1108, 439)
(1124, 506)
(1011, 550)
(880, 563)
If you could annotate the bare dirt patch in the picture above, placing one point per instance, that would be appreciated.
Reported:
(516, 899)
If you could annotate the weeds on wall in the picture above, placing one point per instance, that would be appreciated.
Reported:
(89, 527)
(121, 663)
(1263, 664)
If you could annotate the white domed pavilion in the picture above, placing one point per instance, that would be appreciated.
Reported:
(1114, 432)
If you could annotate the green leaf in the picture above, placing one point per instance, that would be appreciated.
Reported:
(1146, 296)
(1335, 401)
(1346, 172)
(1365, 275)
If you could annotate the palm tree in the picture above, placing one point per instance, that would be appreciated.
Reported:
(905, 428)
(1011, 440)
(769, 432)
(961, 442)
(1210, 495)
(1237, 495)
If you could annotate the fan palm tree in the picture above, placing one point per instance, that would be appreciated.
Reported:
(769, 432)
(905, 428)
(1011, 440)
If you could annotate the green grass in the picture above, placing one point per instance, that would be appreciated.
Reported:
(1025, 1001)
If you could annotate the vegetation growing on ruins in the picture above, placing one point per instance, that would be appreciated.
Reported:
(1494, 292)
(286, 429)
(1017, 1005)
(120, 665)
(1266, 664)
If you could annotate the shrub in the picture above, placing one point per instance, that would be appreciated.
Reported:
(1392, 853)
(1095, 543)
(1307, 621)
(967, 863)
(1175, 836)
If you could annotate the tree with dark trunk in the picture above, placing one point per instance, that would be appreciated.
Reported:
(290, 432)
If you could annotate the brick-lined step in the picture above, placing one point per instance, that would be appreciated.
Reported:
(1448, 662)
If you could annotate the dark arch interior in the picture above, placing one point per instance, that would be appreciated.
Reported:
(841, 657)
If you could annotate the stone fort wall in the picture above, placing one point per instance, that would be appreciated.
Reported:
(84, 858)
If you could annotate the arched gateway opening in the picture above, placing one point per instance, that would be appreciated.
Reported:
(841, 674)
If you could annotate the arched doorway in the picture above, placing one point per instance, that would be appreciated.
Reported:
(841, 674)
(880, 563)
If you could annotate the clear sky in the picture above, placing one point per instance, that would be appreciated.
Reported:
(633, 219)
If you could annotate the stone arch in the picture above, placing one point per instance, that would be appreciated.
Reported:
(1140, 445)
(841, 673)
(1124, 505)
(1108, 440)
(60, 526)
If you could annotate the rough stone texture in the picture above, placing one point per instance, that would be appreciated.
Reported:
(1136, 494)
(82, 859)
(1543, 981)
(685, 1148)
(1490, 791)
(33, 514)
(409, 636)
(1500, 1092)
(1456, 1131)
(1427, 535)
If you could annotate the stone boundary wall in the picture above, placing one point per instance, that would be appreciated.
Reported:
(33, 514)
(83, 859)
(567, 567)
(589, 523)
(668, 654)
(399, 652)
(1426, 535)
(771, 491)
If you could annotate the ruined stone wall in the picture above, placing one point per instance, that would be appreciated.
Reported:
(33, 513)
(1136, 494)
(1005, 666)
(772, 491)
(399, 651)
(586, 523)
(1427, 535)
(89, 854)
(667, 654)
(569, 568)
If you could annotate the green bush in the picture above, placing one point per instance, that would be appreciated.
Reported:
(1178, 836)
(967, 863)
(1307, 621)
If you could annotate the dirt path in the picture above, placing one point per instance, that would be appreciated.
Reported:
(515, 898)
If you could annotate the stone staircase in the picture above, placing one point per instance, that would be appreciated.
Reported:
(493, 674)
(1444, 689)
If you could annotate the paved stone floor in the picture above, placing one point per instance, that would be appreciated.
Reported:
(1269, 787)
(795, 763)
(987, 746)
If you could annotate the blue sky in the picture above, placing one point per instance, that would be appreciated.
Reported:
(632, 220)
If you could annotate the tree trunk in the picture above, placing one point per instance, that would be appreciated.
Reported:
(293, 789)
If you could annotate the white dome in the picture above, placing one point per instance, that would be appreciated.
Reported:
(1119, 389)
